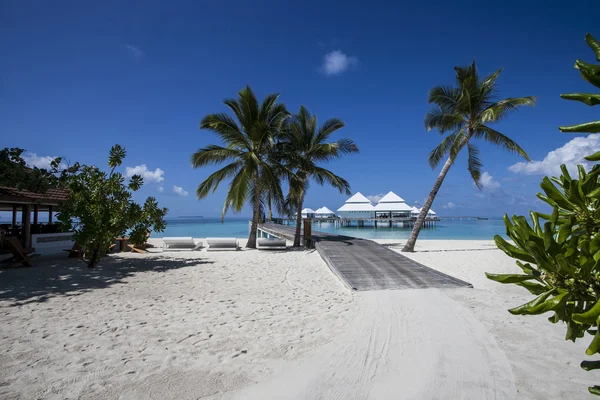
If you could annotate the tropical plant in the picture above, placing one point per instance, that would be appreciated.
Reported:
(560, 258)
(100, 206)
(466, 111)
(146, 219)
(248, 143)
(16, 173)
(305, 145)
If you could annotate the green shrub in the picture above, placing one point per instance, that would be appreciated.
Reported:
(560, 253)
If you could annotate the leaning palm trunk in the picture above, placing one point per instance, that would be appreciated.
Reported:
(412, 240)
(298, 224)
(255, 217)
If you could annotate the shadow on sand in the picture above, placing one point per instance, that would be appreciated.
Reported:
(55, 276)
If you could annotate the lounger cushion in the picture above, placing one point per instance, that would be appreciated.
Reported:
(221, 244)
(271, 243)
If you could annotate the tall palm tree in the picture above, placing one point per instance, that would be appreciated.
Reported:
(247, 145)
(466, 112)
(304, 146)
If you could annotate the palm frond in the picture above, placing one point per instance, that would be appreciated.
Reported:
(211, 183)
(436, 155)
(502, 108)
(444, 121)
(238, 192)
(213, 154)
(328, 127)
(445, 97)
(497, 138)
(249, 107)
(226, 128)
(322, 175)
(474, 164)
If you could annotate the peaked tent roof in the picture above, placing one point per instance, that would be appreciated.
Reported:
(396, 206)
(358, 198)
(357, 207)
(415, 210)
(391, 197)
(308, 211)
(324, 210)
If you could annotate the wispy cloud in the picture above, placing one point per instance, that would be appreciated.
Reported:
(336, 62)
(449, 206)
(178, 190)
(571, 154)
(374, 198)
(135, 51)
(156, 176)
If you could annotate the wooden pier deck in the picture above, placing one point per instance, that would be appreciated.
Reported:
(363, 264)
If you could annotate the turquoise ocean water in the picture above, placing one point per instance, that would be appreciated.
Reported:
(470, 229)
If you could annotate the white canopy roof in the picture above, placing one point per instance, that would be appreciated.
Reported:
(415, 210)
(324, 210)
(358, 198)
(391, 197)
(357, 207)
(392, 207)
(430, 212)
(308, 211)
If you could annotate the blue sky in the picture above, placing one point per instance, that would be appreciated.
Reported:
(78, 77)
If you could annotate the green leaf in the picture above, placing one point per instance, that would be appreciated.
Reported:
(594, 45)
(509, 278)
(589, 72)
(588, 317)
(534, 288)
(586, 98)
(593, 157)
(594, 390)
(594, 345)
(590, 365)
(513, 251)
(588, 127)
(522, 309)
(555, 195)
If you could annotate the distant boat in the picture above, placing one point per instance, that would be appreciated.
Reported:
(482, 218)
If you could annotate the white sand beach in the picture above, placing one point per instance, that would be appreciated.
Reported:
(260, 325)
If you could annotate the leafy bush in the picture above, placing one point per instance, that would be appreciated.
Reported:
(560, 253)
(100, 207)
(147, 218)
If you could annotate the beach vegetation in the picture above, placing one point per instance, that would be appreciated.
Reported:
(248, 140)
(100, 207)
(559, 253)
(17, 174)
(461, 114)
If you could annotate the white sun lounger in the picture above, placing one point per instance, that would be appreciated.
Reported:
(271, 244)
(213, 244)
(180, 244)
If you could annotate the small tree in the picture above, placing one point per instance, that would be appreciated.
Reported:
(560, 253)
(100, 207)
(148, 218)
(16, 173)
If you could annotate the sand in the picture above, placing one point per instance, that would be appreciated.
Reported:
(260, 325)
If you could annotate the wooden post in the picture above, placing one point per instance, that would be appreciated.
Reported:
(307, 233)
(14, 216)
(36, 209)
(49, 215)
(26, 218)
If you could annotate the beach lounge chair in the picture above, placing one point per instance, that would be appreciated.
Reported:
(20, 255)
(271, 244)
(214, 244)
(180, 244)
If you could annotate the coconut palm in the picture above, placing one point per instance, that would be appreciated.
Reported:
(248, 140)
(304, 146)
(465, 112)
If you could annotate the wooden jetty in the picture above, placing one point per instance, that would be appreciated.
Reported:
(363, 264)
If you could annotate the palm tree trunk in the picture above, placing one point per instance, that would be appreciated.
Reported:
(412, 240)
(298, 224)
(255, 217)
(270, 218)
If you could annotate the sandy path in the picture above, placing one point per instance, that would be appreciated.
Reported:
(410, 344)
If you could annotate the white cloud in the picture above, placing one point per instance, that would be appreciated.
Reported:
(487, 182)
(149, 176)
(337, 62)
(33, 160)
(135, 51)
(160, 189)
(374, 198)
(571, 154)
(178, 190)
(449, 206)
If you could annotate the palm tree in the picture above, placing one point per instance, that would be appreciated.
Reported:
(247, 145)
(304, 145)
(466, 112)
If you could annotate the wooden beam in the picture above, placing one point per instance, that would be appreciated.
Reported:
(14, 215)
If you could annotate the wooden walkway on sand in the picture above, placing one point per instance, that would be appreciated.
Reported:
(366, 265)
